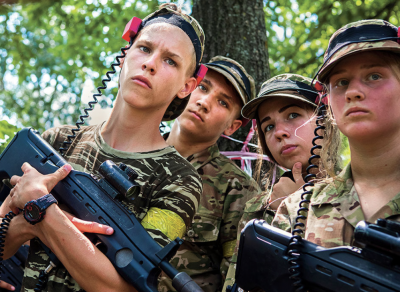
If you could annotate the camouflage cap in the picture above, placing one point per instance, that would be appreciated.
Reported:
(236, 74)
(284, 85)
(359, 36)
(177, 106)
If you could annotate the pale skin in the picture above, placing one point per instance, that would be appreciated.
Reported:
(364, 99)
(213, 109)
(288, 129)
(154, 72)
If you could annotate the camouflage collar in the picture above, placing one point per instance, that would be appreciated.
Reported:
(335, 190)
(201, 158)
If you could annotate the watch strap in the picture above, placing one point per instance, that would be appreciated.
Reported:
(44, 202)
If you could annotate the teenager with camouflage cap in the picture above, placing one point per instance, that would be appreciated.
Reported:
(157, 73)
(214, 109)
(361, 73)
(284, 111)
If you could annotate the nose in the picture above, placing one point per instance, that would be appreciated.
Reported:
(150, 64)
(281, 131)
(354, 91)
(204, 103)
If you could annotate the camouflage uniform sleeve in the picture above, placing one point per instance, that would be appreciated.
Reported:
(287, 212)
(233, 210)
(173, 207)
(254, 209)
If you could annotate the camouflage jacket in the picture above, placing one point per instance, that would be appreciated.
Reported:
(334, 212)
(168, 184)
(210, 242)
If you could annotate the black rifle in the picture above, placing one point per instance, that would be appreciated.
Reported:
(262, 260)
(13, 268)
(136, 256)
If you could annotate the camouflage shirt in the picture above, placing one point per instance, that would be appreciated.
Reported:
(167, 183)
(210, 242)
(334, 212)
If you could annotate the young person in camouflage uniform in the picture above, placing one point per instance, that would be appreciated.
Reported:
(284, 111)
(155, 82)
(361, 72)
(213, 109)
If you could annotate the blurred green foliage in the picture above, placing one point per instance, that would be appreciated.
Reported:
(48, 48)
(7, 131)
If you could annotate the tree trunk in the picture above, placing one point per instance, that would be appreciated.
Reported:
(235, 29)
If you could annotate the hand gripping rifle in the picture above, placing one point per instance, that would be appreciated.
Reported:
(133, 252)
(262, 260)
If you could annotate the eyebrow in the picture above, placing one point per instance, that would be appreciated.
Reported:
(267, 118)
(168, 52)
(367, 66)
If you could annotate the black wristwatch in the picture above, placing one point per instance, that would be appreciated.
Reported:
(35, 210)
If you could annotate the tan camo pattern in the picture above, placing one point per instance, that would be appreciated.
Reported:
(167, 181)
(334, 212)
(250, 109)
(237, 82)
(386, 45)
(226, 189)
(178, 105)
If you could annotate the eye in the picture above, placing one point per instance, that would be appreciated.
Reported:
(202, 87)
(268, 128)
(144, 49)
(342, 82)
(223, 103)
(374, 77)
(293, 115)
(170, 62)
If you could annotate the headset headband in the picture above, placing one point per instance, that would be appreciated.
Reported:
(180, 22)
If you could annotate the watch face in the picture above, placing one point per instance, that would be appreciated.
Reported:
(32, 212)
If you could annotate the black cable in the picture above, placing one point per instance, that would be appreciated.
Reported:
(5, 223)
(42, 281)
(81, 120)
(295, 241)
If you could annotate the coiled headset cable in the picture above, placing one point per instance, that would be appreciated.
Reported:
(295, 240)
(81, 121)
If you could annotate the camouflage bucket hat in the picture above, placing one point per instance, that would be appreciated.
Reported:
(284, 85)
(196, 34)
(359, 36)
(236, 74)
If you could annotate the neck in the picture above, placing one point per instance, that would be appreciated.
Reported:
(376, 163)
(184, 143)
(132, 130)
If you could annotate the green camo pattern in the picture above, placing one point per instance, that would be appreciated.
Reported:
(226, 189)
(334, 211)
(167, 181)
(256, 208)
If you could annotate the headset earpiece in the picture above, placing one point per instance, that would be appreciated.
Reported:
(201, 72)
(131, 29)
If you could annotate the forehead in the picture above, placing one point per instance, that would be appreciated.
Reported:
(221, 84)
(360, 61)
(169, 36)
(272, 105)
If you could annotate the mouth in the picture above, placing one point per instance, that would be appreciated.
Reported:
(141, 80)
(355, 111)
(196, 115)
(287, 149)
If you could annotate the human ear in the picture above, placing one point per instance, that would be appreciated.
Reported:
(189, 87)
(233, 127)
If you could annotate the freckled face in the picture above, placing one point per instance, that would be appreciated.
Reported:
(288, 130)
(364, 96)
(156, 66)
